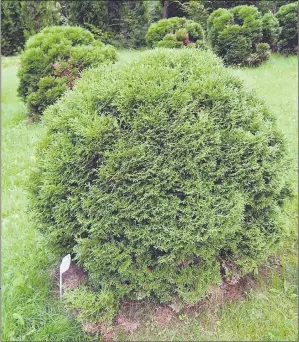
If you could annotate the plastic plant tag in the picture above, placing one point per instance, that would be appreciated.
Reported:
(64, 266)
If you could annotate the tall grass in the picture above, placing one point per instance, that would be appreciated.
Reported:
(29, 310)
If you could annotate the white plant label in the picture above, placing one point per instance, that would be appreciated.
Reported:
(64, 266)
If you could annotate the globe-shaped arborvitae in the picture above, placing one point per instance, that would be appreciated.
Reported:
(53, 60)
(175, 33)
(236, 35)
(161, 174)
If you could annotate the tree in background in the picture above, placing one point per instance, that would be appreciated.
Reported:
(288, 21)
(12, 33)
(134, 23)
(155, 10)
(122, 23)
(196, 11)
(273, 6)
(21, 19)
(35, 15)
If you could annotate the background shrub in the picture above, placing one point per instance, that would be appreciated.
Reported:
(235, 33)
(174, 32)
(53, 60)
(155, 173)
(271, 30)
(288, 21)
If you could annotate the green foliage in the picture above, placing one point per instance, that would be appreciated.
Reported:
(235, 33)
(12, 35)
(154, 172)
(53, 60)
(269, 5)
(135, 23)
(165, 31)
(288, 21)
(261, 55)
(30, 312)
(170, 41)
(20, 19)
(155, 10)
(196, 11)
(271, 29)
(121, 23)
(36, 15)
(92, 307)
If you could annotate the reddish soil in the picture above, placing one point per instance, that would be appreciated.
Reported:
(133, 313)
(72, 278)
(163, 315)
(128, 325)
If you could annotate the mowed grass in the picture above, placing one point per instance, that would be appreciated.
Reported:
(30, 311)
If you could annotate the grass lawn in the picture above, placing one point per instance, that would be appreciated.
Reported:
(30, 311)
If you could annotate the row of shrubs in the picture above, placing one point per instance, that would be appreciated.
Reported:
(240, 35)
(54, 58)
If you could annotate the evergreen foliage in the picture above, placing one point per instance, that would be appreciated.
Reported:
(174, 32)
(121, 23)
(235, 33)
(288, 21)
(271, 30)
(91, 307)
(12, 34)
(52, 61)
(21, 19)
(36, 15)
(160, 174)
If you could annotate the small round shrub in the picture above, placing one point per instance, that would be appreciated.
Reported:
(53, 59)
(271, 30)
(158, 174)
(287, 16)
(174, 33)
(235, 33)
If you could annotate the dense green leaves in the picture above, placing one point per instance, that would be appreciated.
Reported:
(156, 173)
(20, 19)
(288, 21)
(53, 60)
(271, 29)
(121, 23)
(12, 34)
(235, 33)
(174, 32)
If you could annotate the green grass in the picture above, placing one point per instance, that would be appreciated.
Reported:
(30, 311)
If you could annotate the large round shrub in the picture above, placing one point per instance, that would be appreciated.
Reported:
(175, 33)
(235, 33)
(160, 174)
(288, 21)
(53, 59)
